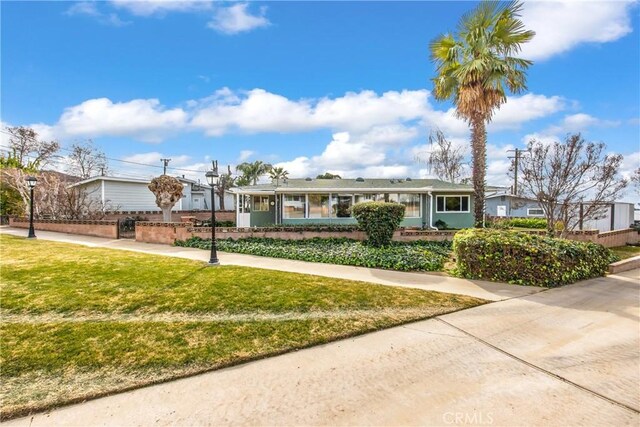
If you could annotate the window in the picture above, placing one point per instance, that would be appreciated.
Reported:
(535, 212)
(318, 206)
(294, 206)
(261, 203)
(361, 198)
(458, 204)
(341, 205)
(411, 204)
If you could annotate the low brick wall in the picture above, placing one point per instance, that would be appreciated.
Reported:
(624, 265)
(108, 229)
(167, 233)
(610, 239)
(176, 216)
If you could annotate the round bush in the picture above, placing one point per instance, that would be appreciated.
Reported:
(525, 259)
(378, 220)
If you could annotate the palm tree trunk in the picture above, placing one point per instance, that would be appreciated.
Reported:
(479, 153)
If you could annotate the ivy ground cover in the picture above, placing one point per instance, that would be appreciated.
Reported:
(401, 256)
(81, 322)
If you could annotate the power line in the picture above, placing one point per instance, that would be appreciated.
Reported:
(165, 167)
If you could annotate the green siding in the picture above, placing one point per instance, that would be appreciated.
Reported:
(454, 220)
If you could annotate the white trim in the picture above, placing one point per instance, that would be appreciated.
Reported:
(431, 212)
(102, 190)
(454, 212)
(282, 190)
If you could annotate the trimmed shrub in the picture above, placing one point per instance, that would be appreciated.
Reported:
(525, 259)
(409, 256)
(538, 223)
(379, 220)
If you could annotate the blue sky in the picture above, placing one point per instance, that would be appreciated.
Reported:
(312, 86)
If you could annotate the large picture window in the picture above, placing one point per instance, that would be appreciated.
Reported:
(411, 204)
(318, 206)
(361, 198)
(459, 204)
(341, 205)
(261, 203)
(535, 212)
(294, 206)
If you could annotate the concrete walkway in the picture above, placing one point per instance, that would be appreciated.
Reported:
(476, 288)
(568, 356)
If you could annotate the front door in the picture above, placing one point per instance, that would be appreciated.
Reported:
(502, 211)
(244, 211)
(197, 203)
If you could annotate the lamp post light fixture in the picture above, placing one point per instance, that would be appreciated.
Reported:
(31, 182)
(212, 180)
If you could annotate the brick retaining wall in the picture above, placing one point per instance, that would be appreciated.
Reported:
(108, 229)
(167, 233)
(156, 216)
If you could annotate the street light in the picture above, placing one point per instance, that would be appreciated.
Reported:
(31, 182)
(212, 180)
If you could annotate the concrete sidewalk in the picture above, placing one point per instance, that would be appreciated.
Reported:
(569, 356)
(434, 282)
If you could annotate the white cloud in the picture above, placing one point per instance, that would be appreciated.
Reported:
(520, 109)
(161, 7)
(153, 158)
(261, 111)
(580, 122)
(90, 8)
(237, 19)
(143, 119)
(244, 155)
(563, 25)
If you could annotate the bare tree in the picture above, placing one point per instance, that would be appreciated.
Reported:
(87, 160)
(635, 179)
(27, 149)
(226, 181)
(571, 180)
(445, 160)
(54, 198)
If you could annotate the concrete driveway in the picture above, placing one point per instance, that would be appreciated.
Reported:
(568, 356)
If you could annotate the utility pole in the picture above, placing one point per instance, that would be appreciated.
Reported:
(516, 158)
(165, 162)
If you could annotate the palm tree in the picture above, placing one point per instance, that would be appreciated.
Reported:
(251, 172)
(278, 173)
(474, 66)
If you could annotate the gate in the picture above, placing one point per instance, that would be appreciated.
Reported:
(127, 228)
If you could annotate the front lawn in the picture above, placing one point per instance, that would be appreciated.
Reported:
(81, 322)
(420, 255)
(624, 252)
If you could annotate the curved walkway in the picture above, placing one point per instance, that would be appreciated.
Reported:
(428, 281)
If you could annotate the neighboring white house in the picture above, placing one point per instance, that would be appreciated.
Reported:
(614, 216)
(128, 194)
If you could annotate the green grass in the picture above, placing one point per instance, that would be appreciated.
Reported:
(624, 252)
(81, 322)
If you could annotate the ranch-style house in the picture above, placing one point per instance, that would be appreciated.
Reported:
(329, 201)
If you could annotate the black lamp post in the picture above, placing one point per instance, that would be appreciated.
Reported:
(212, 180)
(31, 182)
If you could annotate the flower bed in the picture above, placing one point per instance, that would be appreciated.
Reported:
(410, 256)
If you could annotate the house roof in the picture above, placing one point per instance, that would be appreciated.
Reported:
(359, 184)
(134, 180)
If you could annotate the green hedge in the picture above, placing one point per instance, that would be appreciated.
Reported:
(540, 223)
(526, 259)
(379, 220)
(410, 256)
